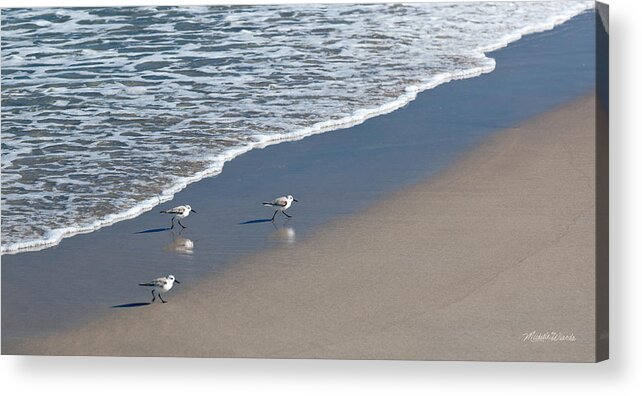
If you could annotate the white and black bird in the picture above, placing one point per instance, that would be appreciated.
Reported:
(160, 285)
(281, 204)
(179, 212)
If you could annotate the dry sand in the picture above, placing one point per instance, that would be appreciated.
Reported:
(458, 267)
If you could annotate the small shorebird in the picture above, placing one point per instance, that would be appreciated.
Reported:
(281, 204)
(160, 285)
(179, 212)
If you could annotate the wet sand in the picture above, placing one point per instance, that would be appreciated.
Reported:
(460, 266)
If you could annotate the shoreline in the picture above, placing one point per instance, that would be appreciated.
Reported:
(364, 163)
(442, 279)
(217, 165)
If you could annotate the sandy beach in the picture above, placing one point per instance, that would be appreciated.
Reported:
(451, 228)
(458, 267)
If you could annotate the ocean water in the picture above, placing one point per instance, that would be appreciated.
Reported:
(107, 112)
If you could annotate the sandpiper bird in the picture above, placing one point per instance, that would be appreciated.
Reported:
(160, 285)
(179, 212)
(281, 204)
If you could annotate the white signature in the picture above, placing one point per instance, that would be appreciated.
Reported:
(548, 336)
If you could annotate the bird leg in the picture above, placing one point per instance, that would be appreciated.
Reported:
(172, 227)
(159, 296)
(288, 216)
(179, 223)
(153, 296)
(275, 212)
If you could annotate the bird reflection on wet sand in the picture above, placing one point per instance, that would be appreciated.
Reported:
(284, 234)
(180, 245)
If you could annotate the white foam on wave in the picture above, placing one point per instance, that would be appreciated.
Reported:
(217, 162)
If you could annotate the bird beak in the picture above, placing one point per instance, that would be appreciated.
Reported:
(294, 200)
(175, 281)
(193, 211)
